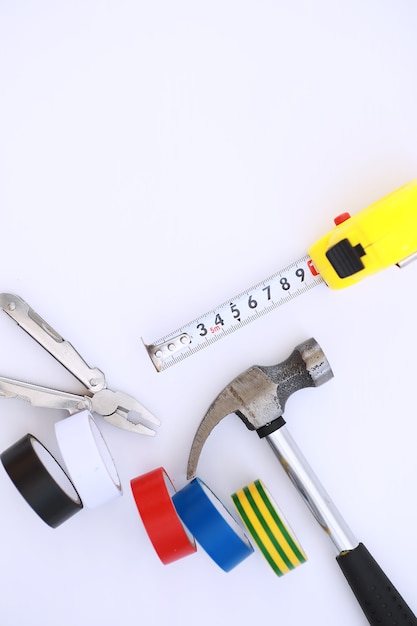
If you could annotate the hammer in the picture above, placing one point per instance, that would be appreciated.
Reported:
(258, 397)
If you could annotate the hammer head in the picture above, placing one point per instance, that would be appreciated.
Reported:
(259, 394)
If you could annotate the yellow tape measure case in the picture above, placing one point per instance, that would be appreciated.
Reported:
(383, 234)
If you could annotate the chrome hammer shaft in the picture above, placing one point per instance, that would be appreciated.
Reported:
(311, 489)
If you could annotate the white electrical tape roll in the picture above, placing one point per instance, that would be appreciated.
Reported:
(88, 460)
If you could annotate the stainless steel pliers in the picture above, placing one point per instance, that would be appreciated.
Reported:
(115, 407)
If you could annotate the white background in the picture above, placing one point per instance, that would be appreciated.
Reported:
(156, 159)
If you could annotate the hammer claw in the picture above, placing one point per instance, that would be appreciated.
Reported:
(252, 396)
(259, 394)
(226, 402)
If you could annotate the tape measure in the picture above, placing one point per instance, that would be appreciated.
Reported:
(383, 234)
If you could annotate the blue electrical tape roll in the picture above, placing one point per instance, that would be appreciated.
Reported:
(204, 515)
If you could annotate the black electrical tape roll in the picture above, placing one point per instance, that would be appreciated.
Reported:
(31, 477)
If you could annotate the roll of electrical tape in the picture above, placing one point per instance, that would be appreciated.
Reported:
(153, 494)
(212, 525)
(41, 480)
(268, 528)
(87, 459)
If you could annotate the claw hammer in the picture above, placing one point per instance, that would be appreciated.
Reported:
(258, 397)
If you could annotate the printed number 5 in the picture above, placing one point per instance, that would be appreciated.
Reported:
(235, 311)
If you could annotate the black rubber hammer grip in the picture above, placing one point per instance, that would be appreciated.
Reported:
(379, 599)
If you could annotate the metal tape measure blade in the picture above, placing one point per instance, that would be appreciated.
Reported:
(233, 314)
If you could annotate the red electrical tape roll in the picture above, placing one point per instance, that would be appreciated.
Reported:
(153, 496)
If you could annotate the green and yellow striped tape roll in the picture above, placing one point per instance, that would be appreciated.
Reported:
(268, 529)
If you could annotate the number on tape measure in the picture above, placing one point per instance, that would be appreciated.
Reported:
(235, 313)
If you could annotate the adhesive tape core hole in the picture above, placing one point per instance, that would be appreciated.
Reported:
(171, 491)
(281, 514)
(104, 453)
(222, 510)
(54, 469)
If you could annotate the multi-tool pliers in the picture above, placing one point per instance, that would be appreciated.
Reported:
(115, 407)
